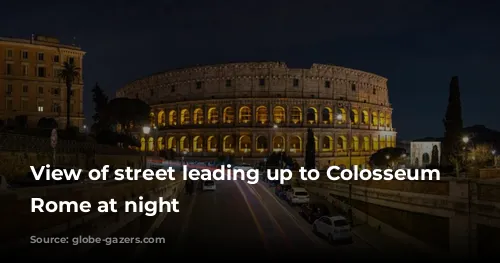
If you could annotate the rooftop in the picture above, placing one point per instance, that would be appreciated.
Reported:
(40, 40)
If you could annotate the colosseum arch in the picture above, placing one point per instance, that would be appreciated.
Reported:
(198, 144)
(143, 144)
(341, 115)
(382, 142)
(296, 115)
(213, 115)
(184, 144)
(365, 117)
(261, 115)
(172, 118)
(185, 118)
(212, 144)
(327, 115)
(228, 143)
(354, 116)
(152, 120)
(375, 144)
(151, 144)
(374, 118)
(278, 143)
(161, 118)
(388, 120)
(279, 114)
(172, 143)
(198, 116)
(382, 119)
(296, 145)
(327, 143)
(262, 143)
(228, 115)
(245, 143)
(160, 144)
(355, 144)
(312, 115)
(245, 115)
(341, 143)
(366, 143)
(316, 144)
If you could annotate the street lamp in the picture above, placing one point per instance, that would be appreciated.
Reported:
(146, 130)
(465, 139)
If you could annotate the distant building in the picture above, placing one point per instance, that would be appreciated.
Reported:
(421, 151)
(29, 85)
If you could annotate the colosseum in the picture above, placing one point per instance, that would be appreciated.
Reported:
(250, 109)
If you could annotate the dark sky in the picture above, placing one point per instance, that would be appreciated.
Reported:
(417, 45)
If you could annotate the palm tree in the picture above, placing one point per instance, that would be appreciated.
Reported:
(69, 74)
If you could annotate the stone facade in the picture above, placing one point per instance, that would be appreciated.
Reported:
(250, 109)
(421, 152)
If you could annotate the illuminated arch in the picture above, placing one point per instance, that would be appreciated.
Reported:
(312, 115)
(213, 115)
(143, 144)
(374, 118)
(366, 143)
(355, 143)
(185, 118)
(161, 118)
(278, 143)
(262, 115)
(341, 143)
(327, 115)
(172, 143)
(228, 115)
(388, 120)
(160, 144)
(375, 143)
(262, 144)
(354, 116)
(316, 144)
(152, 121)
(212, 144)
(327, 143)
(245, 115)
(197, 144)
(228, 144)
(382, 119)
(382, 142)
(245, 143)
(279, 114)
(296, 115)
(365, 117)
(172, 118)
(198, 116)
(184, 144)
(151, 144)
(296, 144)
(341, 116)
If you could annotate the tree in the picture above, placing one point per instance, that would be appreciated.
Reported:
(435, 156)
(125, 110)
(452, 124)
(100, 102)
(388, 157)
(481, 155)
(70, 73)
(310, 159)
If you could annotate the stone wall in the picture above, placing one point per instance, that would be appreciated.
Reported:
(489, 173)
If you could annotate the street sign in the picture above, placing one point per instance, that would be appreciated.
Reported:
(53, 138)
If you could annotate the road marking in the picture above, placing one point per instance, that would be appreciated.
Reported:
(182, 237)
(307, 233)
(254, 217)
(273, 219)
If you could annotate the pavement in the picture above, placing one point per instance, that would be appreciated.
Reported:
(248, 222)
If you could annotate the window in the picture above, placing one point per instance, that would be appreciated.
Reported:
(262, 82)
(56, 107)
(24, 69)
(8, 103)
(8, 89)
(24, 104)
(24, 54)
(56, 91)
(41, 57)
(9, 69)
(71, 60)
(39, 105)
(56, 58)
(295, 82)
(228, 83)
(9, 53)
(41, 72)
(374, 91)
(40, 90)
(25, 88)
(353, 87)
(172, 89)
(327, 84)
(198, 85)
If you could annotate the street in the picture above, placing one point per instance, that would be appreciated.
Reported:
(246, 219)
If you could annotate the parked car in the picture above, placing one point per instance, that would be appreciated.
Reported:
(297, 195)
(208, 185)
(282, 189)
(335, 228)
(245, 167)
(313, 211)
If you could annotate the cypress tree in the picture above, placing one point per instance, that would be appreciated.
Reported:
(435, 156)
(310, 158)
(453, 124)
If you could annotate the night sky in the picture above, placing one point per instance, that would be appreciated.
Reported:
(417, 45)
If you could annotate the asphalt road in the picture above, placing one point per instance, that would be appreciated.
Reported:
(246, 221)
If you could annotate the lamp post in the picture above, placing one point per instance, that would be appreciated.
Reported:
(146, 130)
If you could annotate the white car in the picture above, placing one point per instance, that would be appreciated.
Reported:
(297, 195)
(244, 167)
(208, 185)
(335, 228)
